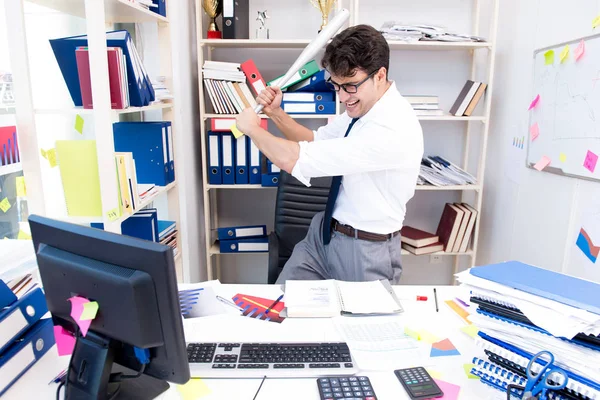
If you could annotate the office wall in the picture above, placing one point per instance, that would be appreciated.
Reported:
(527, 215)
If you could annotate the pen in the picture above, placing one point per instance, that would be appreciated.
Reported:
(436, 303)
(229, 303)
(274, 304)
(58, 377)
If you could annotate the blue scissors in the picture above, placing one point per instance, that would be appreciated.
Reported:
(546, 379)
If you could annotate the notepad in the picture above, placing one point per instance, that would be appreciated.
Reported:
(329, 298)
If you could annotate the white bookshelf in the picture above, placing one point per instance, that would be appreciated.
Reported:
(99, 15)
(473, 125)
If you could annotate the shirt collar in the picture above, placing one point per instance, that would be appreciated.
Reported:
(381, 104)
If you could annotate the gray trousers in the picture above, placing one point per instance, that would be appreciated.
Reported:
(344, 258)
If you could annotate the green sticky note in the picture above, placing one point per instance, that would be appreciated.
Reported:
(194, 389)
(89, 311)
(434, 374)
(52, 157)
(428, 337)
(564, 54)
(5, 205)
(23, 236)
(562, 157)
(470, 330)
(467, 368)
(596, 22)
(113, 214)
(549, 56)
(412, 333)
(79, 124)
(44, 153)
(20, 184)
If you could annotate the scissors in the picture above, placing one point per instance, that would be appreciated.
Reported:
(546, 379)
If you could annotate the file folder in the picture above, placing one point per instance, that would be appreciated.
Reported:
(295, 97)
(142, 225)
(160, 8)
(241, 161)
(215, 158)
(254, 158)
(25, 352)
(309, 69)
(228, 149)
(7, 297)
(269, 180)
(237, 232)
(244, 245)
(256, 80)
(272, 168)
(20, 316)
(316, 83)
(170, 153)
(236, 20)
(317, 107)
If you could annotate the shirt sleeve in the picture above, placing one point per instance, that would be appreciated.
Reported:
(382, 148)
(334, 129)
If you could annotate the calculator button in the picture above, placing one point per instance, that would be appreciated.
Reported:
(338, 395)
(354, 384)
(326, 390)
(348, 395)
(353, 379)
(366, 387)
(324, 380)
(347, 389)
(337, 390)
(363, 378)
(358, 394)
(344, 379)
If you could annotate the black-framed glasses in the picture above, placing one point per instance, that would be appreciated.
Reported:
(350, 88)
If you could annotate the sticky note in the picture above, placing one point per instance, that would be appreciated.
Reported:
(43, 152)
(549, 57)
(445, 345)
(51, 155)
(467, 368)
(579, 50)
(76, 311)
(564, 54)
(590, 161)
(470, 330)
(562, 157)
(434, 374)
(534, 102)
(113, 214)
(65, 342)
(20, 185)
(428, 337)
(534, 131)
(5, 205)
(450, 390)
(23, 236)
(89, 311)
(543, 163)
(596, 22)
(79, 124)
(412, 333)
(194, 389)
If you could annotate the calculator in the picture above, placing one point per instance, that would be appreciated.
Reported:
(418, 383)
(346, 387)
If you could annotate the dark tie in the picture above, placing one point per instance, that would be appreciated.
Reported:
(333, 194)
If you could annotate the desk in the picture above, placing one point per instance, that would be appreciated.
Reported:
(445, 323)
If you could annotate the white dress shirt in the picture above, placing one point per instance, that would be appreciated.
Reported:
(379, 161)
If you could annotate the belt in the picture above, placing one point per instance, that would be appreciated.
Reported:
(358, 234)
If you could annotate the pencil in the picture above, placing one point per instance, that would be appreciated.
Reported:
(436, 303)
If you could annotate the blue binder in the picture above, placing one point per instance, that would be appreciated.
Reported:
(228, 151)
(7, 297)
(316, 83)
(148, 143)
(241, 161)
(237, 232)
(161, 9)
(18, 318)
(170, 152)
(244, 245)
(254, 170)
(269, 180)
(317, 107)
(29, 348)
(544, 283)
(142, 225)
(215, 158)
(308, 96)
(141, 92)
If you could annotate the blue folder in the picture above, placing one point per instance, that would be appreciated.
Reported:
(215, 158)
(141, 92)
(237, 232)
(142, 225)
(30, 348)
(148, 143)
(270, 180)
(241, 161)
(161, 9)
(228, 151)
(300, 107)
(17, 318)
(170, 152)
(254, 157)
(316, 83)
(541, 282)
(7, 297)
(251, 245)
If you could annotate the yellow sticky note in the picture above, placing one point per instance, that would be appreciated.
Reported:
(113, 214)
(562, 157)
(44, 153)
(5, 205)
(90, 310)
(412, 333)
(549, 56)
(20, 184)
(428, 337)
(236, 132)
(434, 374)
(467, 368)
(564, 54)
(79, 124)
(194, 389)
(23, 236)
(51, 157)
(596, 22)
(470, 330)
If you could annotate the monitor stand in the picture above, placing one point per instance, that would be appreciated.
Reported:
(90, 372)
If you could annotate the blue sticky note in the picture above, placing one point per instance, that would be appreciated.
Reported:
(585, 246)
(443, 353)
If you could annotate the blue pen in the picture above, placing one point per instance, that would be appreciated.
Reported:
(274, 304)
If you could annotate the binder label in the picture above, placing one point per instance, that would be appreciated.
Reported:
(253, 246)
(259, 86)
(214, 155)
(249, 232)
(12, 325)
(16, 365)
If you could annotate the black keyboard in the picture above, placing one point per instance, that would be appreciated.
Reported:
(271, 359)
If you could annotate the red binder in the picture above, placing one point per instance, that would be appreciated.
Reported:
(225, 124)
(115, 77)
(256, 80)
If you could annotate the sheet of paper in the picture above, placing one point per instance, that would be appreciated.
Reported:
(450, 390)
(579, 50)
(194, 389)
(311, 298)
(373, 298)
(65, 342)
(590, 161)
(205, 301)
(534, 131)
(549, 57)
(374, 333)
(542, 163)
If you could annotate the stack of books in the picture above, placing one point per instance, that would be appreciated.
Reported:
(438, 171)
(243, 239)
(420, 242)
(167, 234)
(456, 227)
(226, 86)
(468, 98)
(522, 310)
(424, 104)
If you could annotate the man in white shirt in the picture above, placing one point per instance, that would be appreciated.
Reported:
(373, 151)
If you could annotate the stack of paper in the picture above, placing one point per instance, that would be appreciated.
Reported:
(438, 171)
(393, 30)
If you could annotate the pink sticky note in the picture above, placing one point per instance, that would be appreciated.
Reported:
(535, 131)
(534, 102)
(76, 311)
(580, 50)
(65, 342)
(450, 390)
(543, 163)
(590, 161)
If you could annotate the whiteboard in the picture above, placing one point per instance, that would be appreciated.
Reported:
(568, 111)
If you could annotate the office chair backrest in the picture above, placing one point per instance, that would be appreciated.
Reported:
(295, 206)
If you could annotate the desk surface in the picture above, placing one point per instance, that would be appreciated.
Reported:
(227, 328)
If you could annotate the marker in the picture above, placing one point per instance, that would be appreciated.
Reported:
(436, 303)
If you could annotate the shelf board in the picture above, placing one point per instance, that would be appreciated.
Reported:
(84, 111)
(449, 117)
(255, 186)
(294, 116)
(449, 187)
(437, 253)
(214, 249)
(10, 168)
(425, 45)
(115, 10)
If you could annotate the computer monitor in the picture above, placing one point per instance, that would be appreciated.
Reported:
(135, 285)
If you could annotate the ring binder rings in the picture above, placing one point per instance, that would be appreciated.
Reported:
(20, 316)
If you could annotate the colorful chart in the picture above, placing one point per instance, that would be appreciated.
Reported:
(255, 307)
(443, 348)
(584, 242)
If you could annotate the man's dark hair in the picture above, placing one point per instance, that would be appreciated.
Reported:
(358, 47)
